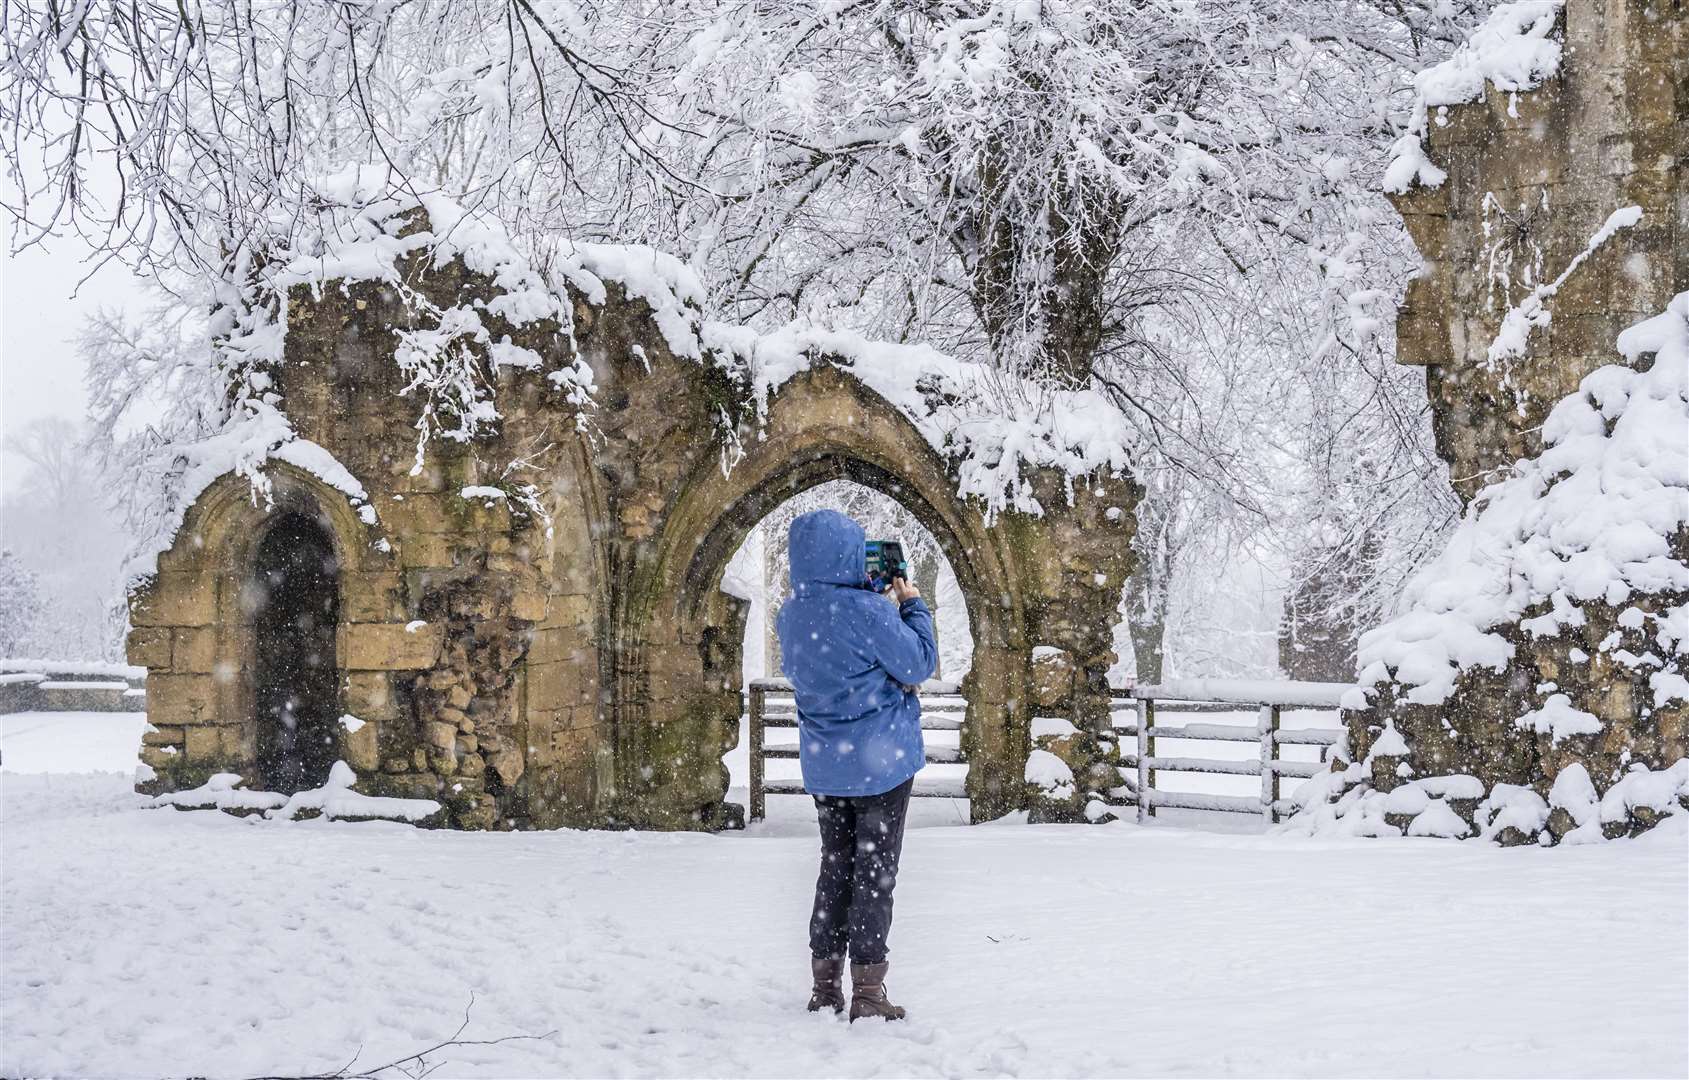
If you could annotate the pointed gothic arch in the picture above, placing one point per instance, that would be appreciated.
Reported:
(822, 425)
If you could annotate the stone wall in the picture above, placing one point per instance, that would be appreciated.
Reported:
(1531, 178)
(532, 630)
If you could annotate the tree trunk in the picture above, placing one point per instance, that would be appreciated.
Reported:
(925, 570)
(775, 576)
(1148, 633)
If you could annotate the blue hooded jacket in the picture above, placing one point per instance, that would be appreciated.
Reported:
(849, 655)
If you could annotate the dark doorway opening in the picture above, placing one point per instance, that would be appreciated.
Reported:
(296, 580)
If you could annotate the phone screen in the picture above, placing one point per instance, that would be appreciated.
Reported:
(885, 563)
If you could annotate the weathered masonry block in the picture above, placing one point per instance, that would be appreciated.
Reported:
(529, 628)
(1531, 179)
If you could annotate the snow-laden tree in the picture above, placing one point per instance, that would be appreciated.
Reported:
(1174, 201)
(1023, 176)
(58, 525)
(56, 472)
(20, 604)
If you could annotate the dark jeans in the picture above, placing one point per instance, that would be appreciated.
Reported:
(861, 839)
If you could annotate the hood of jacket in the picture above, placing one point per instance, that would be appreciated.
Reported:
(827, 547)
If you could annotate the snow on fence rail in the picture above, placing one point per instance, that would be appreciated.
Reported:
(70, 686)
(771, 705)
(1213, 695)
(1247, 692)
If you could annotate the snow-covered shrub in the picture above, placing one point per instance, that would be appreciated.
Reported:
(1546, 647)
(1512, 814)
(1344, 803)
(1643, 796)
(1334, 804)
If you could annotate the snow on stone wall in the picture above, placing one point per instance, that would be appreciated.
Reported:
(368, 231)
(962, 408)
(1513, 50)
(258, 435)
(1541, 658)
(1598, 516)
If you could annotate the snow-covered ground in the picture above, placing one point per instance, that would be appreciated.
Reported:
(48, 742)
(157, 942)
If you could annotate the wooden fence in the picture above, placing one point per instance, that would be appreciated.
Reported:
(1141, 714)
(771, 705)
(1149, 706)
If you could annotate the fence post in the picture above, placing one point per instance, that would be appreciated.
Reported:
(1266, 722)
(1143, 760)
(1149, 746)
(1278, 780)
(758, 797)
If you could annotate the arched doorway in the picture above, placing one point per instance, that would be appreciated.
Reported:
(993, 736)
(678, 639)
(295, 605)
(759, 574)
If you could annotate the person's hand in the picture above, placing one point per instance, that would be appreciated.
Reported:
(902, 589)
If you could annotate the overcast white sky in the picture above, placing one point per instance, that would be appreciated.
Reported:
(41, 308)
(43, 300)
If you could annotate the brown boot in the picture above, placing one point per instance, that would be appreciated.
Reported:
(829, 977)
(868, 993)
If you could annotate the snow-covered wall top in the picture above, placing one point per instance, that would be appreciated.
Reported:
(1513, 51)
(994, 430)
(72, 667)
(991, 429)
(1593, 518)
(258, 434)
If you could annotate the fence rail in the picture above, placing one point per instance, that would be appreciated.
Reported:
(1145, 711)
(770, 705)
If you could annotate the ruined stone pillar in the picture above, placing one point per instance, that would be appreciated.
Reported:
(1531, 179)
(1075, 565)
(1550, 218)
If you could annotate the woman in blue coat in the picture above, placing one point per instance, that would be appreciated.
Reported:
(854, 660)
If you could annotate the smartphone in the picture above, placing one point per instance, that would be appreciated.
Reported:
(885, 564)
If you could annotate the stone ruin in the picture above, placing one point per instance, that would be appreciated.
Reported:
(527, 626)
(1563, 220)
(1531, 176)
